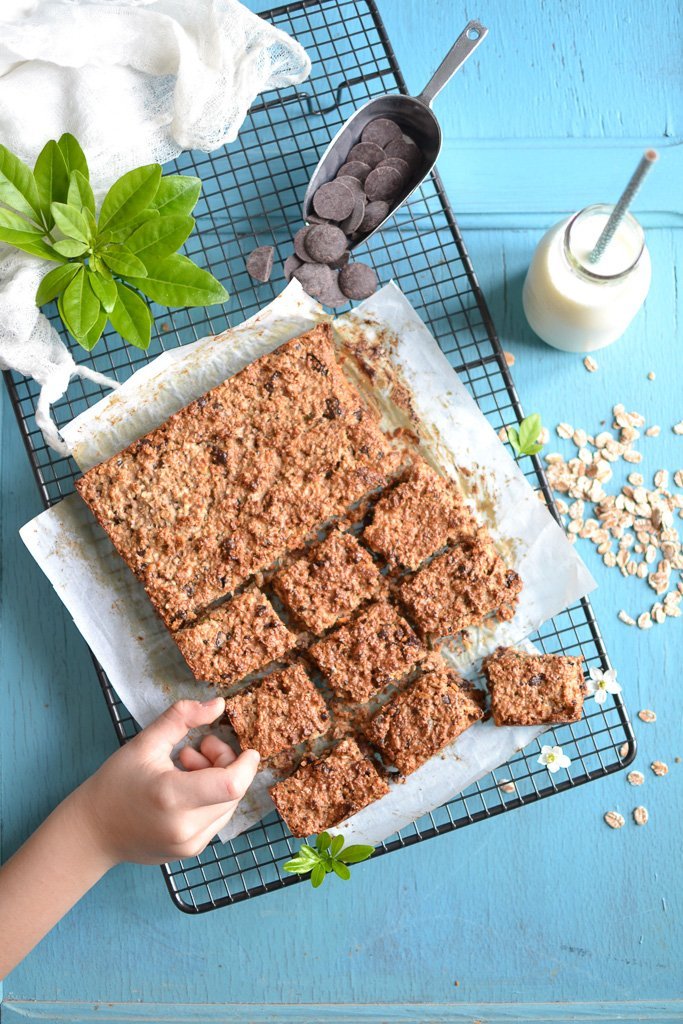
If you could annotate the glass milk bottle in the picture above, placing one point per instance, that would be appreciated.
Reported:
(579, 306)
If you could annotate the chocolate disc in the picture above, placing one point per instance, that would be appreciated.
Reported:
(299, 247)
(383, 183)
(325, 243)
(354, 169)
(401, 166)
(367, 153)
(334, 201)
(332, 295)
(374, 215)
(291, 264)
(260, 263)
(313, 218)
(353, 221)
(381, 131)
(341, 262)
(314, 278)
(358, 280)
(355, 184)
(407, 150)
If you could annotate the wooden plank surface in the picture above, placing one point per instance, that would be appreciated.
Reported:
(541, 906)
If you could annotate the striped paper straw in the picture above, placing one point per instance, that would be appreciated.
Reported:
(617, 214)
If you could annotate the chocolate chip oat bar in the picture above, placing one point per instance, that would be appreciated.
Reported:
(534, 689)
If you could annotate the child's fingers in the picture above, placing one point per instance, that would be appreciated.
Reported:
(218, 785)
(218, 753)
(171, 727)
(191, 759)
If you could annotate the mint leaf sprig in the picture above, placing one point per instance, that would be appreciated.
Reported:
(107, 265)
(328, 855)
(524, 439)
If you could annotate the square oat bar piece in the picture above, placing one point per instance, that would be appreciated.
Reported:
(419, 721)
(534, 689)
(328, 790)
(235, 639)
(360, 658)
(329, 582)
(422, 514)
(277, 713)
(460, 588)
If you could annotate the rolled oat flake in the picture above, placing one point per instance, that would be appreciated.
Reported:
(640, 815)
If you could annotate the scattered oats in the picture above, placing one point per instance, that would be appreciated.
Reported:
(641, 571)
(678, 428)
(636, 479)
(673, 611)
(632, 569)
(561, 506)
(590, 364)
(614, 819)
(576, 509)
(554, 458)
(574, 526)
(678, 478)
(661, 479)
(564, 430)
(658, 613)
(506, 786)
(585, 456)
(640, 815)
(673, 598)
(544, 436)
(626, 618)
(647, 716)
(503, 434)
(580, 438)
(632, 456)
(635, 778)
(651, 375)
(509, 358)
(610, 559)
(637, 419)
(604, 547)
(629, 434)
(616, 409)
(653, 431)
(623, 750)
(571, 537)
(602, 438)
(660, 768)
(644, 621)
(650, 553)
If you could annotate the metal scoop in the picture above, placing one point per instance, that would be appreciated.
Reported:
(412, 113)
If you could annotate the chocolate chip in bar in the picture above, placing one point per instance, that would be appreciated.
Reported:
(400, 165)
(354, 169)
(358, 280)
(299, 244)
(325, 243)
(367, 153)
(334, 201)
(291, 264)
(383, 183)
(260, 263)
(381, 131)
(407, 150)
(355, 218)
(374, 215)
(315, 278)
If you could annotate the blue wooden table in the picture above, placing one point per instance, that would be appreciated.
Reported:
(543, 914)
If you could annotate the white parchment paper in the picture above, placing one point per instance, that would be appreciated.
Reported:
(111, 609)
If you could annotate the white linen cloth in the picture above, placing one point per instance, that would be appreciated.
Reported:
(136, 81)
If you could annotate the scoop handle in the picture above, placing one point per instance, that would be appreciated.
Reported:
(463, 47)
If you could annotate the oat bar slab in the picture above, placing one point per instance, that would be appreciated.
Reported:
(328, 790)
(460, 588)
(235, 639)
(329, 582)
(362, 657)
(419, 721)
(277, 713)
(229, 483)
(422, 514)
(534, 689)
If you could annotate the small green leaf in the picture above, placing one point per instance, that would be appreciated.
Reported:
(74, 157)
(318, 875)
(52, 179)
(122, 262)
(105, 290)
(95, 333)
(336, 845)
(323, 841)
(176, 281)
(14, 222)
(80, 304)
(160, 236)
(70, 247)
(131, 317)
(355, 854)
(177, 194)
(54, 282)
(513, 438)
(29, 241)
(80, 193)
(129, 196)
(122, 234)
(529, 429)
(18, 188)
(71, 222)
(341, 870)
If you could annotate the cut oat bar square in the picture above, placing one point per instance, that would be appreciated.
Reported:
(534, 689)
(278, 712)
(328, 582)
(361, 657)
(328, 790)
(237, 638)
(420, 721)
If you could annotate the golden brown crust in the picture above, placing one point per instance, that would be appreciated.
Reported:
(360, 658)
(235, 639)
(326, 791)
(420, 721)
(534, 689)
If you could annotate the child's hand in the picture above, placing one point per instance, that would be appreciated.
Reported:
(140, 807)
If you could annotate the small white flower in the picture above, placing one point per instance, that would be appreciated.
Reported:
(602, 683)
(553, 759)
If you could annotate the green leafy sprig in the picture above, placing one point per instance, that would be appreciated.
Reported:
(108, 265)
(524, 439)
(328, 855)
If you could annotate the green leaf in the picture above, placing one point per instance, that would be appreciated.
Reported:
(160, 236)
(74, 157)
(355, 854)
(177, 194)
(55, 281)
(513, 438)
(529, 429)
(176, 281)
(122, 234)
(129, 196)
(80, 304)
(341, 870)
(52, 179)
(29, 241)
(336, 846)
(80, 193)
(18, 187)
(122, 262)
(71, 222)
(323, 841)
(131, 317)
(14, 222)
(70, 247)
(95, 333)
(104, 288)
(318, 875)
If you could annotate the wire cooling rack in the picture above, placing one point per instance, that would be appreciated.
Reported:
(252, 193)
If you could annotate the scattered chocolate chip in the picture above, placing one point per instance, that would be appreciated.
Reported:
(335, 201)
(383, 183)
(314, 278)
(398, 164)
(368, 153)
(260, 263)
(299, 246)
(381, 131)
(407, 150)
(325, 243)
(358, 280)
(374, 215)
(292, 263)
(355, 218)
(354, 169)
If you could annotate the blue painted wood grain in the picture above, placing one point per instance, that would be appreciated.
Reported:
(545, 905)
